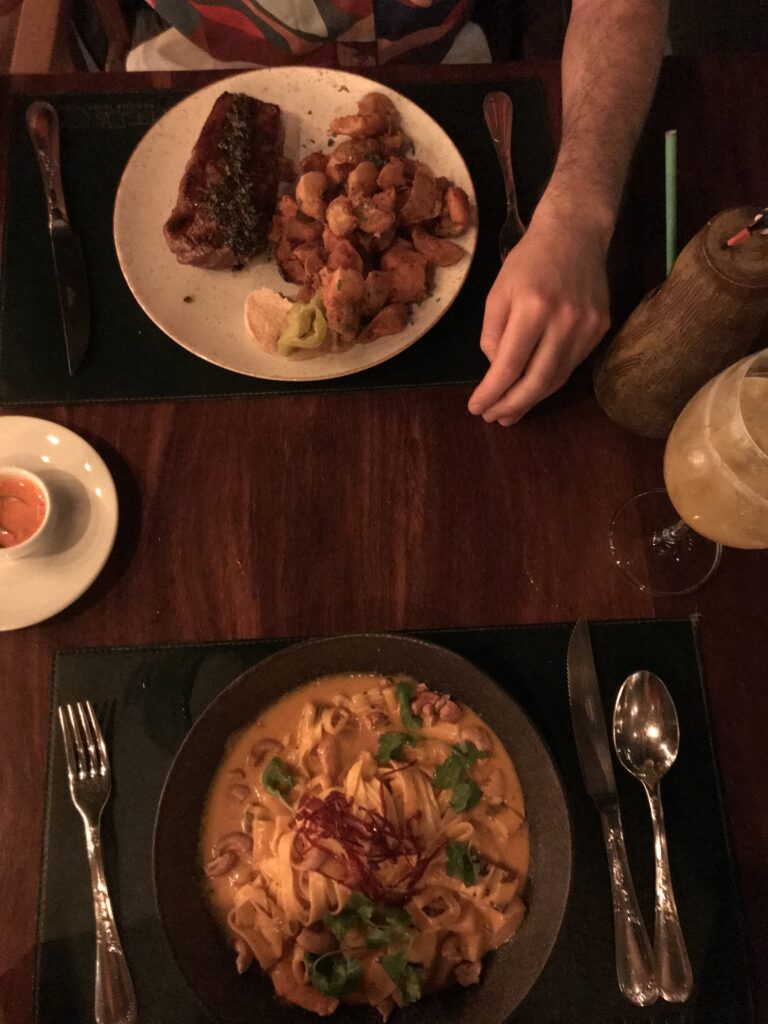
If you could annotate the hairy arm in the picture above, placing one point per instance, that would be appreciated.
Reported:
(549, 304)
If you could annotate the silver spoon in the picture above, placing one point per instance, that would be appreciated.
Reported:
(646, 736)
(497, 109)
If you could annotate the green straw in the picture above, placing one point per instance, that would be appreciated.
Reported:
(670, 194)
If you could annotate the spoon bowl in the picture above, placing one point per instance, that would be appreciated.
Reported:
(646, 731)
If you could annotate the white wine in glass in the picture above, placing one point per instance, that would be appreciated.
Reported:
(716, 473)
(716, 459)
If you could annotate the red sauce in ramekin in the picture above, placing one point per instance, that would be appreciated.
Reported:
(22, 509)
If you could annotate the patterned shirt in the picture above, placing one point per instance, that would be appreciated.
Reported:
(331, 33)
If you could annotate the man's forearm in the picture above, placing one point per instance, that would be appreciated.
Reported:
(611, 60)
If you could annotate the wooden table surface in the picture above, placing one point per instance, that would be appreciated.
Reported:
(380, 510)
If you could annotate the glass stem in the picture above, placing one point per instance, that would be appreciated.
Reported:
(670, 535)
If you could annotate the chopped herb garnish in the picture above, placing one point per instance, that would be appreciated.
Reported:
(357, 912)
(463, 862)
(381, 925)
(408, 978)
(409, 720)
(388, 924)
(465, 796)
(391, 746)
(231, 199)
(188, 298)
(339, 285)
(278, 780)
(455, 773)
(333, 974)
(375, 159)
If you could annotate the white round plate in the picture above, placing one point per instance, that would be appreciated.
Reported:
(211, 325)
(83, 520)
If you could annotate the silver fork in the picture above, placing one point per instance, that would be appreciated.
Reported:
(497, 109)
(90, 783)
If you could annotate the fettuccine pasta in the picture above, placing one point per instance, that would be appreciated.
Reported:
(365, 841)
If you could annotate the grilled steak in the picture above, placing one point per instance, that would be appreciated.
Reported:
(228, 192)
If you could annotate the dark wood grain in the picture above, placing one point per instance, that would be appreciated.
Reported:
(397, 510)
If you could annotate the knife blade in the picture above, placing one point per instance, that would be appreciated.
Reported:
(71, 281)
(634, 958)
(588, 719)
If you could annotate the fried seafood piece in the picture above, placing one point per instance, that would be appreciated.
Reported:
(425, 199)
(439, 251)
(378, 284)
(316, 161)
(376, 115)
(343, 254)
(378, 103)
(362, 181)
(348, 155)
(376, 216)
(291, 268)
(229, 186)
(390, 320)
(454, 213)
(310, 190)
(343, 293)
(289, 223)
(392, 174)
(408, 273)
(340, 216)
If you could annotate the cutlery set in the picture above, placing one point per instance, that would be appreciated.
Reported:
(646, 737)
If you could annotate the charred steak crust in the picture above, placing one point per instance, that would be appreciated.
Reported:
(228, 191)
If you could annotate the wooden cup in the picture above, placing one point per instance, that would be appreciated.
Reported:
(711, 311)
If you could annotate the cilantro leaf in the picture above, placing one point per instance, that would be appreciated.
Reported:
(409, 720)
(455, 773)
(388, 925)
(277, 779)
(408, 978)
(463, 862)
(357, 912)
(450, 773)
(391, 746)
(333, 974)
(465, 796)
(470, 752)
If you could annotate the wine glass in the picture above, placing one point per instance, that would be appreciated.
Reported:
(716, 475)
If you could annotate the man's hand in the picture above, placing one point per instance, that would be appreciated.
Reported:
(546, 311)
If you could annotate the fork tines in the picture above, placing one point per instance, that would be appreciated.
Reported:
(84, 745)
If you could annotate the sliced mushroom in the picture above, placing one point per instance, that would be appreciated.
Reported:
(221, 865)
(261, 748)
(235, 842)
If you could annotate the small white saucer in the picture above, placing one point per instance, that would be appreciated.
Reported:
(83, 526)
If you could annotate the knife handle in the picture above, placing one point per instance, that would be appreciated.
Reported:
(43, 128)
(634, 958)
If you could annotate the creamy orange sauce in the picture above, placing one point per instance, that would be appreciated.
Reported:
(238, 795)
(22, 509)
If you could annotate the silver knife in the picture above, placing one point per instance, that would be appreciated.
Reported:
(43, 127)
(634, 958)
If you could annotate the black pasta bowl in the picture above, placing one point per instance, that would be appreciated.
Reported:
(196, 942)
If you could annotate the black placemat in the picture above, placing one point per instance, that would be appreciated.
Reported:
(129, 357)
(150, 696)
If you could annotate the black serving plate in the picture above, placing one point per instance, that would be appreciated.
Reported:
(196, 941)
